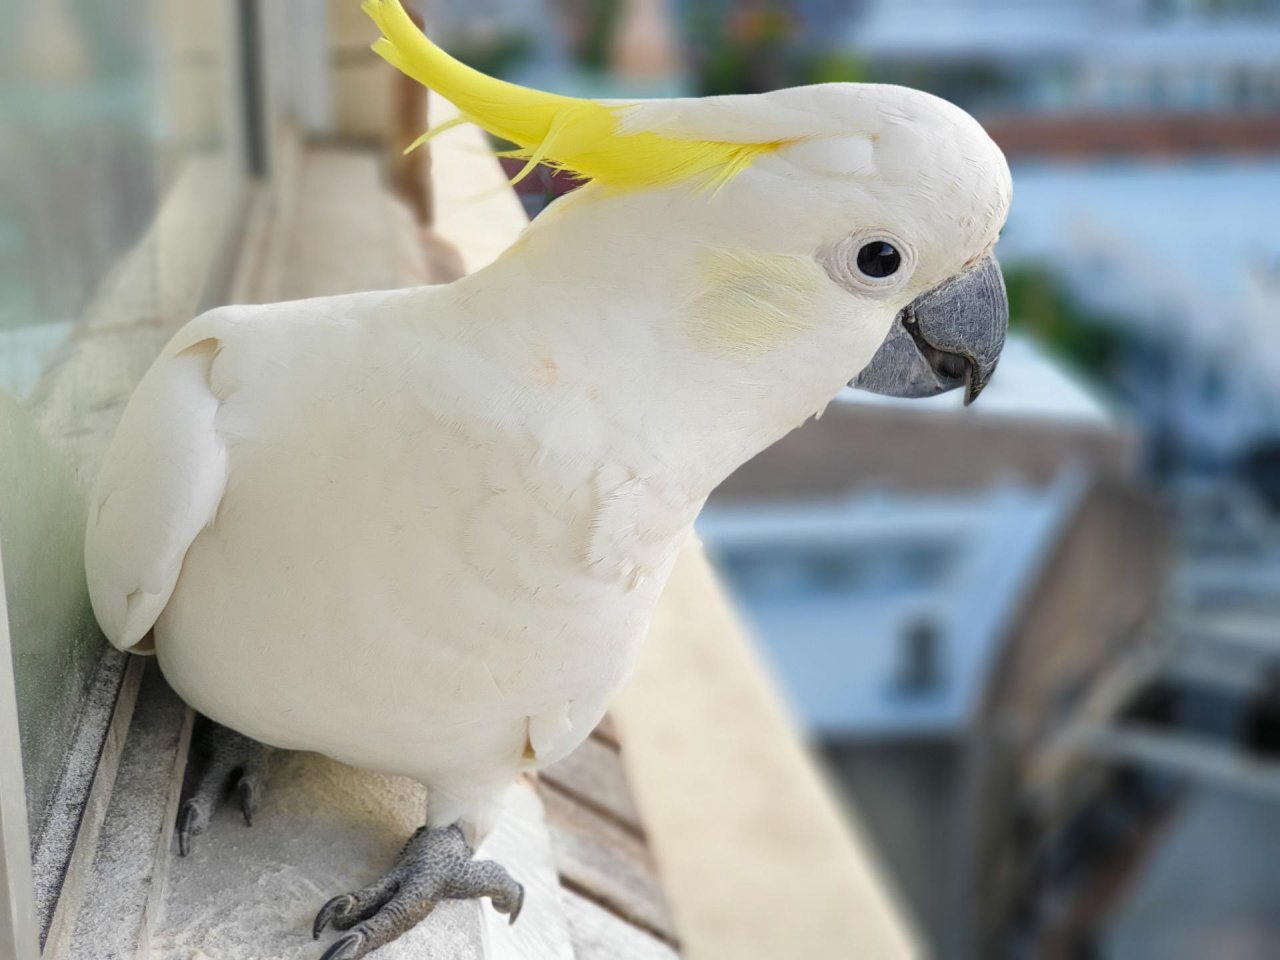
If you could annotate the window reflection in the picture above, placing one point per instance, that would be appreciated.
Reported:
(121, 187)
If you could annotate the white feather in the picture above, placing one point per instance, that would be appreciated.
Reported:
(160, 485)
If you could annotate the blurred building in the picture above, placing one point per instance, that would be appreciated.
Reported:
(1197, 363)
(1094, 55)
(1143, 135)
(1207, 716)
(915, 573)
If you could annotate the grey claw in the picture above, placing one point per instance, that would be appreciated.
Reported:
(229, 763)
(344, 948)
(515, 911)
(246, 792)
(335, 908)
(434, 865)
(186, 823)
(513, 906)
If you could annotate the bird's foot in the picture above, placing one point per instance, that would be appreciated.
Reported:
(230, 763)
(435, 865)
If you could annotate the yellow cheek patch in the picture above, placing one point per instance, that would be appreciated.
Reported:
(580, 136)
(751, 300)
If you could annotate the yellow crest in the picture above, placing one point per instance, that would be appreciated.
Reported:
(582, 137)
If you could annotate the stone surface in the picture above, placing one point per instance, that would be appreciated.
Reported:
(129, 868)
(62, 857)
(321, 829)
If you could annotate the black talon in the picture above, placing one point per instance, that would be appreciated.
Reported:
(343, 949)
(339, 905)
(515, 911)
(246, 792)
(224, 763)
(185, 819)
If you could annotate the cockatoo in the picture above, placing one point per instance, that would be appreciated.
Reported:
(423, 531)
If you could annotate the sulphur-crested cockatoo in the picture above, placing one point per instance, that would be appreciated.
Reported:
(423, 531)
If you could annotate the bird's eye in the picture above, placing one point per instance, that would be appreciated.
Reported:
(879, 259)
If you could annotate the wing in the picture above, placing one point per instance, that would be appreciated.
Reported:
(160, 485)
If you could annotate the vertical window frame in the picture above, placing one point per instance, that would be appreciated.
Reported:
(18, 935)
(26, 920)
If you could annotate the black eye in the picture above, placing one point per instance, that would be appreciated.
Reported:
(879, 259)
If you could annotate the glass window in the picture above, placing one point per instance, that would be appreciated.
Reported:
(122, 189)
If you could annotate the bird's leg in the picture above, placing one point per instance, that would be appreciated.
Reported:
(231, 763)
(435, 865)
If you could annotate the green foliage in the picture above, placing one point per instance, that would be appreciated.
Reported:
(597, 22)
(836, 67)
(497, 56)
(743, 47)
(1041, 307)
(752, 46)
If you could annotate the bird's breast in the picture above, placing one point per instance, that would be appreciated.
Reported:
(377, 573)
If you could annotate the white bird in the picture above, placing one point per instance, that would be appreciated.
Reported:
(423, 531)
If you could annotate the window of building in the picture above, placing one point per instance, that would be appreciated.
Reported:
(854, 569)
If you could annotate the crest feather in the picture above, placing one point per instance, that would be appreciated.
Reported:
(582, 137)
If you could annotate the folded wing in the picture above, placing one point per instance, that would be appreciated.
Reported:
(161, 484)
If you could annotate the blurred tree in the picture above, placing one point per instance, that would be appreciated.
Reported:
(752, 46)
(839, 66)
(1041, 306)
(593, 24)
(749, 46)
(496, 54)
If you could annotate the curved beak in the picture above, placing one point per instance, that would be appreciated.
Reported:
(947, 338)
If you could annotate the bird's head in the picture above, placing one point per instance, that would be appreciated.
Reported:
(841, 217)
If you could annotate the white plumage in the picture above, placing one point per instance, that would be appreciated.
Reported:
(423, 531)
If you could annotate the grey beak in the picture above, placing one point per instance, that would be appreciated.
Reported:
(947, 338)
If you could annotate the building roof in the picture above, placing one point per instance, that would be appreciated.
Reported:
(1191, 133)
(1034, 420)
